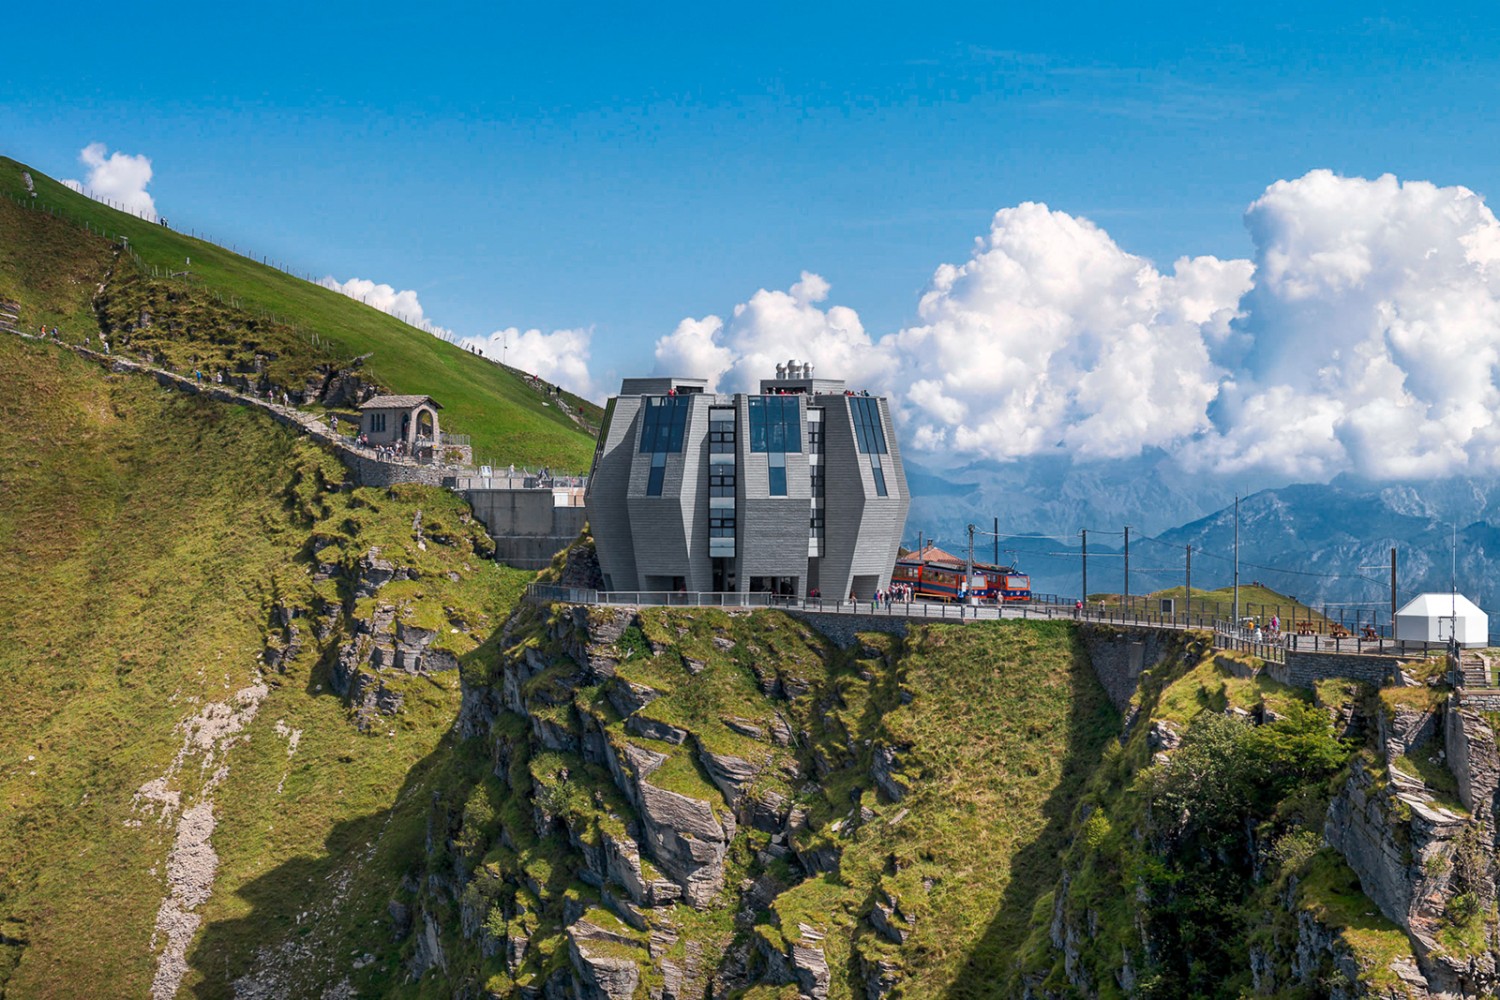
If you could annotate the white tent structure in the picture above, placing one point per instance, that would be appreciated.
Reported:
(1433, 618)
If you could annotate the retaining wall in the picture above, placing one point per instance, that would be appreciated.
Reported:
(843, 630)
(1306, 669)
(1120, 653)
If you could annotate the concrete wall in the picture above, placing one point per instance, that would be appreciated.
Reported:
(526, 527)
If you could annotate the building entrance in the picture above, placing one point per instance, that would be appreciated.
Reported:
(781, 586)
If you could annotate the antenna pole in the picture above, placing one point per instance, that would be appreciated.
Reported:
(1127, 567)
(997, 543)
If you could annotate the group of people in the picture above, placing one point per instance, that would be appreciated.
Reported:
(385, 452)
(1271, 633)
(899, 593)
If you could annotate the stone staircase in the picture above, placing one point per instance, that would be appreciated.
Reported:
(1476, 668)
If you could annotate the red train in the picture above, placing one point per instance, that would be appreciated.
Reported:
(936, 575)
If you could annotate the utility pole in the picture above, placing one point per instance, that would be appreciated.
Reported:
(969, 568)
(1127, 567)
(1189, 589)
(1236, 560)
(997, 543)
(1393, 594)
(1085, 595)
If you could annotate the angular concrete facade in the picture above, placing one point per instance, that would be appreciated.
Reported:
(796, 489)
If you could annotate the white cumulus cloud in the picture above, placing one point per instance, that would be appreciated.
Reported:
(117, 177)
(560, 357)
(386, 298)
(1052, 338)
(1362, 336)
(1371, 341)
(773, 327)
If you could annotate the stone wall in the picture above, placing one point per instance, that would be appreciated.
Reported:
(1305, 669)
(843, 630)
(1479, 701)
(1120, 652)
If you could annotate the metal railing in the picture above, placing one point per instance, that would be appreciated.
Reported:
(1272, 648)
(920, 609)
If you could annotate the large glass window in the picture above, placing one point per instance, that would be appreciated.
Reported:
(664, 423)
(815, 525)
(817, 480)
(775, 424)
(868, 431)
(721, 524)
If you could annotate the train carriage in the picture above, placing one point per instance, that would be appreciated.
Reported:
(935, 575)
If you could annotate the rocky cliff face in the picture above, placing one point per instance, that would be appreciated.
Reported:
(1378, 882)
(691, 803)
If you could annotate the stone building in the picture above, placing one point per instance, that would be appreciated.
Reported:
(396, 419)
(795, 490)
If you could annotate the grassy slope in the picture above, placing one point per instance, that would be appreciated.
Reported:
(504, 416)
(993, 780)
(1255, 601)
(142, 539)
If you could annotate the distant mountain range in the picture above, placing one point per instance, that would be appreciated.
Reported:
(1323, 543)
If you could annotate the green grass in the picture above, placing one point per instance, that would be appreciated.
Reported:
(1255, 601)
(1330, 891)
(49, 272)
(145, 537)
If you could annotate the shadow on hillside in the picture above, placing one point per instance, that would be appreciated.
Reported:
(307, 914)
(1035, 869)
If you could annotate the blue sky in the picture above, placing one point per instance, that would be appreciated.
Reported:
(594, 168)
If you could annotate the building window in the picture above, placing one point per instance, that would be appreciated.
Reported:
(775, 424)
(658, 473)
(817, 480)
(777, 469)
(721, 524)
(868, 430)
(721, 432)
(878, 474)
(377, 423)
(721, 480)
(664, 424)
(815, 526)
(814, 433)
